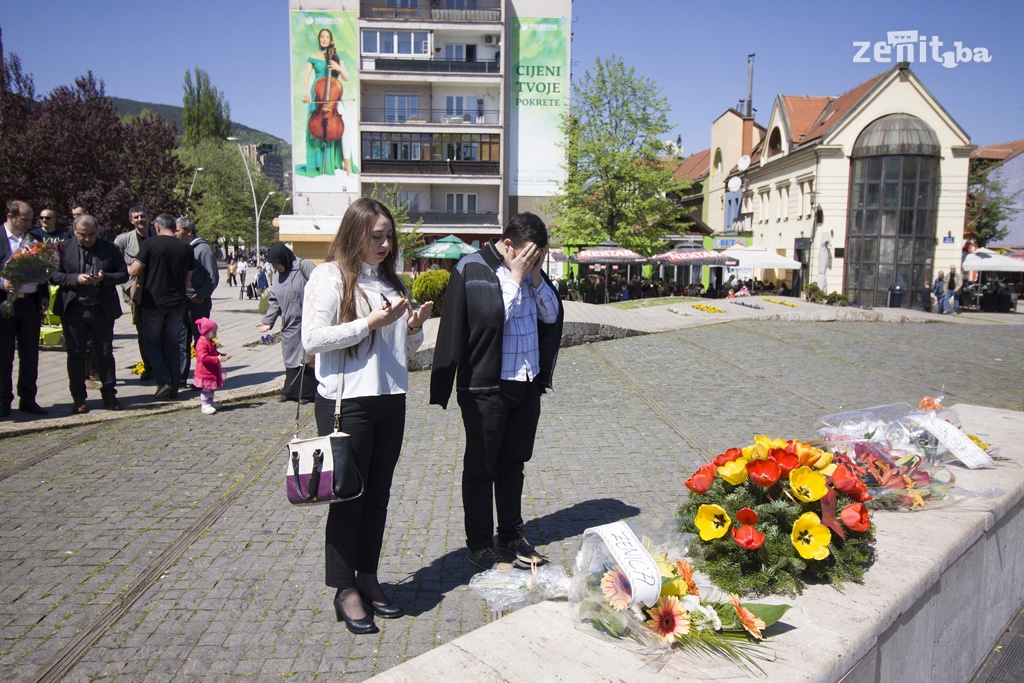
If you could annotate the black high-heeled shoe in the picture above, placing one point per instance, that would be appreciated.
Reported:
(360, 627)
(388, 610)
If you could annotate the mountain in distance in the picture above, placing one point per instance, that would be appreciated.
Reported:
(172, 114)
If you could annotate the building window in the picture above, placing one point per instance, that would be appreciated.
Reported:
(430, 147)
(410, 200)
(383, 42)
(460, 202)
(774, 143)
(717, 167)
(399, 108)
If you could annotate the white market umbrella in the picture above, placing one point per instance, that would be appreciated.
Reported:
(756, 257)
(984, 260)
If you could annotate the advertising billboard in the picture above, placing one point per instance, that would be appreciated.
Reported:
(325, 101)
(539, 82)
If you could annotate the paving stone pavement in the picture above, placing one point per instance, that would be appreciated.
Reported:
(161, 548)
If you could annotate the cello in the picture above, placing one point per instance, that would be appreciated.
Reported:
(325, 123)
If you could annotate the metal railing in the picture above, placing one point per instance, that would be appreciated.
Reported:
(451, 218)
(434, 10)
(392, 167)
(489, 117)
(454, 66)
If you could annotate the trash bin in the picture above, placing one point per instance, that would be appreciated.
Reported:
(895, 298)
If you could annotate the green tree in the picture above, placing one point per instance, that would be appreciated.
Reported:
(409, 236)
(617, 186)
(221, 202)
(988, 206)
(206, 114)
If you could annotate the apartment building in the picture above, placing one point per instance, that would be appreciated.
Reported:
(457, 102)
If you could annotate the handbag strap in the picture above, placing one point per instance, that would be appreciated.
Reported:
(337, 402)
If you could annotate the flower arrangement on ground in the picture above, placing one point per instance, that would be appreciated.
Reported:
(775, 514)
(628, 588)
(31, 265)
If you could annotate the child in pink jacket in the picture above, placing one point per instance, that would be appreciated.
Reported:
(209, 375)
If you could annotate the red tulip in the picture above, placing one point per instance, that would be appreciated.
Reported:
(747, 516)
(787, 461)
(855, 517)
(747, 537)
(728, 456)
(845, 481)
(702, 479)
(764, 473)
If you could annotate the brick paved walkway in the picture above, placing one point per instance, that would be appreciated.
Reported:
(160, 547)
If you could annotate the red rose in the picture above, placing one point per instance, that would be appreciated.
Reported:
(763, 473)
(702, 479)
(747, 537)
(855, 517)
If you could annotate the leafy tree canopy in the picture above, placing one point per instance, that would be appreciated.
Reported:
(206, 114)
(988, 206)
(409, 236)
(617, 186)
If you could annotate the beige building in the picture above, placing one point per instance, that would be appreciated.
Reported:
(867, 190)
(458, 103)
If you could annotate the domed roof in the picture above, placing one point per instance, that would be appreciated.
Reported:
(897, 134)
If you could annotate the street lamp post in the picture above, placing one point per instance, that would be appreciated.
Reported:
(258, 212)
(189, 198)
(252, 187)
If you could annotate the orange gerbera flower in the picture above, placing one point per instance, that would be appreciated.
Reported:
(751, 623)
(667, 619)
(616, 588)
(686, 574)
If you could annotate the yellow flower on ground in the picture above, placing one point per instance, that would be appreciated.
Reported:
(734, 472)
(808, 485)
(712, 521)
(810, 537)
(750, 622)
(667, 619)
(616, 589)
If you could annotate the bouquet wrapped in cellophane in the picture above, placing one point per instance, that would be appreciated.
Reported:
(31, 265)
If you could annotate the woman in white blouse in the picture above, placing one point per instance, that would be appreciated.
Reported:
(357, 319)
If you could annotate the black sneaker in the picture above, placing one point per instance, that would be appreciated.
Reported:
(490, 558)
(526, 556)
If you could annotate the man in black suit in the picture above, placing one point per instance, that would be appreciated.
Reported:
(21, 329)
(90, 271)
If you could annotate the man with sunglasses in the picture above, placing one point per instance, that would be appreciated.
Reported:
(90, 271)
(48, 229)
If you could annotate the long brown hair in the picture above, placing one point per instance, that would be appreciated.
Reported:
(347, 251)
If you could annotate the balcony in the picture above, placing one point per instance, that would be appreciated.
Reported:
(445, 218)
(392, 167)
(489, 117)
(443, 66)
(488, 11)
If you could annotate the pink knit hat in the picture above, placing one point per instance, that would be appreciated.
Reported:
(205, 325)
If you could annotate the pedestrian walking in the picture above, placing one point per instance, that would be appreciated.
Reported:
(198, 292)
(209, 371)
(356, 319)
(500, 331)
(232, 268)
(243, 266)
(939, 290)
(953, 285)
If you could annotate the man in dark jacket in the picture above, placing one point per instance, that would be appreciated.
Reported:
(501, 327)
(198, 303)
(168, 263)
(88, 304)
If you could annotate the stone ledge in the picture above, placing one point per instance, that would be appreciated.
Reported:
(944, 584)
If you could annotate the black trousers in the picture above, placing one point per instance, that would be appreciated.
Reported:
(354, 534)
(296, 379)
(21, 330)
(82, 325)
(500, 430)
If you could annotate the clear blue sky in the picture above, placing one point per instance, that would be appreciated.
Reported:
(696, 52)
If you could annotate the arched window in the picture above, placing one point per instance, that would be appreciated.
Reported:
(716, 168)
(891, 217)
(775, 143)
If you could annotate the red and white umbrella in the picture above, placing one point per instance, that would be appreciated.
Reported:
(694, 257)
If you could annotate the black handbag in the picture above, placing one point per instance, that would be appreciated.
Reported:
(322, 469)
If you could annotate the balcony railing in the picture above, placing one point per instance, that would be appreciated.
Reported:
(454, 66)
(391, 167)
(489, 117)
(442, 217)
(435, 10)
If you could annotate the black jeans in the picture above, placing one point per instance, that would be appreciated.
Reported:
(354, 534)
(84, 324)
(161, 328)
(21, 328)
(500, 430)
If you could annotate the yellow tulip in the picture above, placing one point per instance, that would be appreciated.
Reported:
(807, 485)
(810, 537)
(712, 521)
(761, 446)
(734, 472)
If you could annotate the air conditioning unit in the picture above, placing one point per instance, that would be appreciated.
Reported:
(491, 40)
